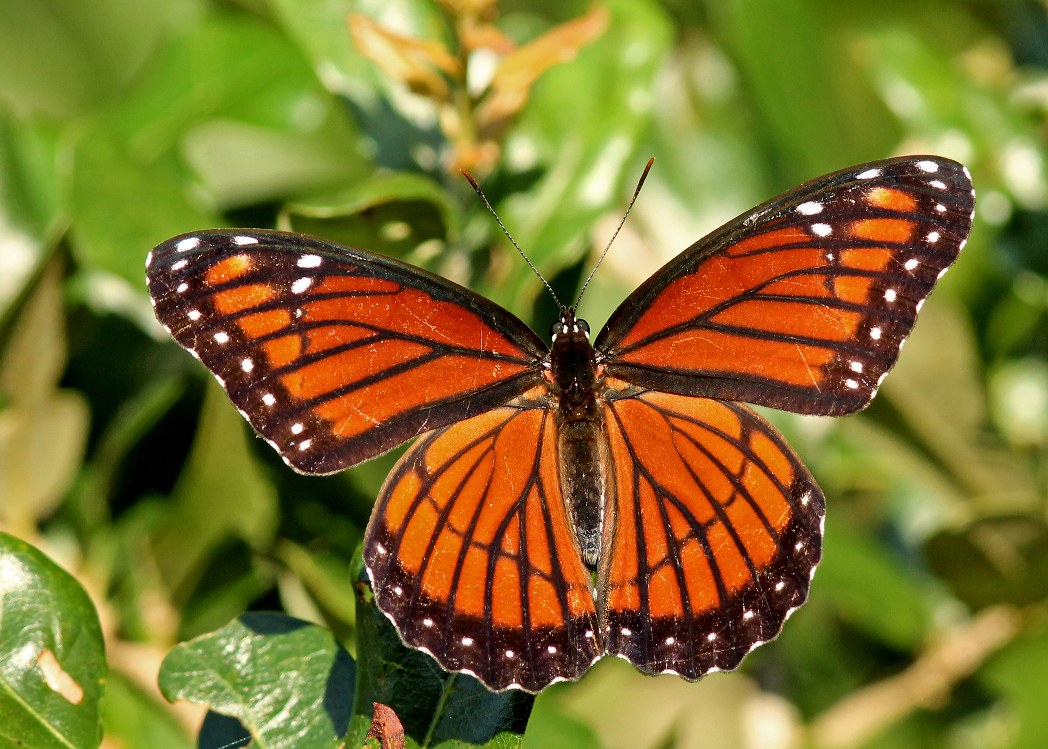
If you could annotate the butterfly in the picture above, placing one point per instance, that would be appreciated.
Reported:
(568, 501)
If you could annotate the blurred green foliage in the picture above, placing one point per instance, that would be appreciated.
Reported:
(123, 123)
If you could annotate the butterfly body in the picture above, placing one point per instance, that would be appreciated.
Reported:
(571, 501)
(581, 439)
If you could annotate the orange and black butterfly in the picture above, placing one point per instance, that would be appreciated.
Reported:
(570, 501)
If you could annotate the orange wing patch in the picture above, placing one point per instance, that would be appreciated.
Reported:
(718, 529)
(470, 553)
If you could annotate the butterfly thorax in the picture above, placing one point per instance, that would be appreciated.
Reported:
(582, 444)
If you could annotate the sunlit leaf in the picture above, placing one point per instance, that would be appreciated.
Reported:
(52, 659)
(288, 682)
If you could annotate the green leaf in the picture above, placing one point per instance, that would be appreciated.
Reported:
(1017, 675)
(52, 658)
(801, 79)
(133, 717)
(993, 560)
(404, 215)
(220, 493)
(437, 709)
(58, 59)
(43, 429)
(398, 124)
(889, 604)
(288, 682)
(231, 108)
(587, 143)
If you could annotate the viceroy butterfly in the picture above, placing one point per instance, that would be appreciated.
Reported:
(567, 502)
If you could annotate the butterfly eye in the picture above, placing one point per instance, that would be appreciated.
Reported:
(582, 326)
(556, 329)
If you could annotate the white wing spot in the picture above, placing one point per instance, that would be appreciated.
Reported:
(193, 314)
(182, 288)
(269, 399)
(510, 654)
(381, 549)
(589, 634)
(187, 244)
(304, 445)
(149, 259)
(301, 284)
(928, 166)
(830, 256)
(242, 240)
(670, 640)
(552, 649)
(179, 265)
(856, 366)
(933, 237)
(822, 230)
(911, 263)
(711, 636)
(852, 384)
(889, 295)
(309, 261)
(938, 184)
(811, 208)
(868, 174)
(798, 546)
(398, 591)
(779, 585)
(247, 365)
(875, 333)
(747, 615)
(297, 427)
(626, 631)
(940, 208)
(427, 622)
(221, 337)
(467, 641)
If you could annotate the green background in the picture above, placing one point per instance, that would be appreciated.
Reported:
(123, 123)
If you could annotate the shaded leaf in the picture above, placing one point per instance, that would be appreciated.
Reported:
(436, 709)
(220, 493)
(993, 560)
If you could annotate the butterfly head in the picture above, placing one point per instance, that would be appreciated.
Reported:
(569, 326)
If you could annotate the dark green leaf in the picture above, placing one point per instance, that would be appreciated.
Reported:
(221, 493)
(437, 709)
(993, 560)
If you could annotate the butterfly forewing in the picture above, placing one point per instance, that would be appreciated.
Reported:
(471, 556)
(801, 304)
(333, 354)
(718, 529)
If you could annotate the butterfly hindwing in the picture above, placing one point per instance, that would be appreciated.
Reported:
(718, 529)
(471, 556)
(333, 354)
(803, 303)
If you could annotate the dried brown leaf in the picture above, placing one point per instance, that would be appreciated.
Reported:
(386, 727)
(418, 63)
(519, 70)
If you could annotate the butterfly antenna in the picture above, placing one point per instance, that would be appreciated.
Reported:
(636, 192)
(509, 236)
